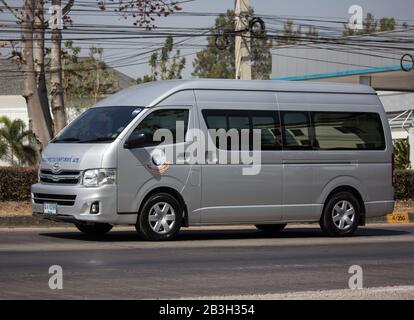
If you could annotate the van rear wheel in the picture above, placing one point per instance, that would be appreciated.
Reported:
(160, 218)
(95, 229)
(271, 228)
(341, 215)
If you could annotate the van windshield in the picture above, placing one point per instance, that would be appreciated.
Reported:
(101, 124)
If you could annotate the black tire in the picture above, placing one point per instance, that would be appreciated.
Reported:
(96, 229)
(148, 228)
(331, 227)
(271, 228)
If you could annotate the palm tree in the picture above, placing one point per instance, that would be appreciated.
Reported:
(15, 145)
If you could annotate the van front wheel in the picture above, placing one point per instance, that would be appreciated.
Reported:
(160, 218)
(341, 215)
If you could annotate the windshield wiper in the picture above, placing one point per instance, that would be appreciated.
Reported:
(101, 139)
(66, 140)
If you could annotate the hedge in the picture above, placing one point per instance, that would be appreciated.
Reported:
(15, 183)
(404, 184)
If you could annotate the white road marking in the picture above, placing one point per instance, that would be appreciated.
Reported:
(378, 293)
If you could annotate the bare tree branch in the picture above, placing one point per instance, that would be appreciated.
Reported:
(68, 7)
(143, 12)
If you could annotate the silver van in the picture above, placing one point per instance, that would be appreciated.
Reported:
(325, 154)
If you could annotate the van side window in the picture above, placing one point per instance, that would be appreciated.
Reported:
(296, 130)
(269, 123)
(163, 119)
(266, 121)
(228, 119)
(348, 131)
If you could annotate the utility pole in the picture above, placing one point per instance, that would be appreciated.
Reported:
(57, 101)
(37, 122)
(242, 41)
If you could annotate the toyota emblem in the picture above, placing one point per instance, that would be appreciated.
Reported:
(56, 167)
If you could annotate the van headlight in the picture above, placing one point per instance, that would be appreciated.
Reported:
(99, 177)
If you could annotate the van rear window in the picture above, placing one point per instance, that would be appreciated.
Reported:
(348, 131)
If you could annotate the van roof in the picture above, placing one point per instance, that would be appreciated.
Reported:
(152, 93)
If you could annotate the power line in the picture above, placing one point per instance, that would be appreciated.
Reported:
(126, 37)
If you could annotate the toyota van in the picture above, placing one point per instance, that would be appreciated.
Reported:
(325, 155)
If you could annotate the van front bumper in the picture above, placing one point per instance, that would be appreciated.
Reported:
(74, 203)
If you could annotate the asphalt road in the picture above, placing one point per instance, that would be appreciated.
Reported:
(201, 262)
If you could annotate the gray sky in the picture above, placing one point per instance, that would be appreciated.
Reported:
(401, 10)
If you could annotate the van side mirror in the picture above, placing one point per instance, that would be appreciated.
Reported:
(136, 140)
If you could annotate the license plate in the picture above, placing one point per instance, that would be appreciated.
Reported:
(50, 208)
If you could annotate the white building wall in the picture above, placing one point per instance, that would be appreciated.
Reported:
(395, 104)
(13, 107)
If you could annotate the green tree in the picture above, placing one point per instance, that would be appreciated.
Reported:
(163, 66)
(312, 32)
(212, 62)
(387, 24)
(291, 35)
(371, 25)
(15, 143)
(402, 153)
(86, 79)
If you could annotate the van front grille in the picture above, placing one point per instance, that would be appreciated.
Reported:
(60, 199)
(62, 181)
(62, 177)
